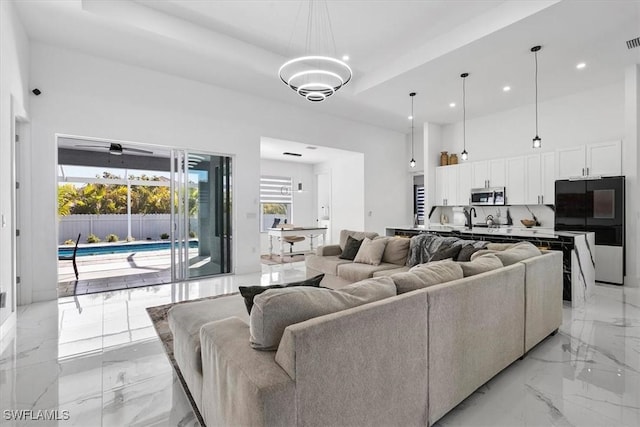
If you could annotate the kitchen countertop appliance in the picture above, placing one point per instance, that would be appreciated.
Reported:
(596, 205)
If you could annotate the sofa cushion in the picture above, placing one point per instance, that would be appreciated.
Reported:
(358, 235)
(396, 251)
(276, 309)
(354, 272)
(480, 264)
(429, 274)
(325, 264)
(370, 251)
(516, 253)
(499, 246)
(250, 292)
(392, 271)
(351, 248)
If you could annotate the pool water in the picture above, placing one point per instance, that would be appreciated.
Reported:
(117, 248)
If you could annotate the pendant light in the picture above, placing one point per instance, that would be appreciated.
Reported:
(537, 141)
(317, 74)
(412, 162)
(464, 155)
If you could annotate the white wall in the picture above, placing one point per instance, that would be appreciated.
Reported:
(14, 100)
(349, 208)
(303, 213)
(89, 96)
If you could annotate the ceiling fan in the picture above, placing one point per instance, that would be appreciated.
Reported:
(117, 149)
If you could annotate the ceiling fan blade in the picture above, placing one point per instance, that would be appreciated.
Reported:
(138, 150)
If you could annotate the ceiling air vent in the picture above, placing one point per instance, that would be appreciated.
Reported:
(287, 153)
(633, 43)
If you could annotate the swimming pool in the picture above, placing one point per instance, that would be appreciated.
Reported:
(117, 248)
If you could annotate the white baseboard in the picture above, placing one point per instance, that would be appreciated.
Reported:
(632, 282)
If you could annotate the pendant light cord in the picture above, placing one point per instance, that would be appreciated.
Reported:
(412, 96)
(536, 59)
(464, 115)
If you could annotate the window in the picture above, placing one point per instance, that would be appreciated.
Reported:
(275, 201)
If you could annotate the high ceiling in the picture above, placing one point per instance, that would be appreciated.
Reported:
(395, 47)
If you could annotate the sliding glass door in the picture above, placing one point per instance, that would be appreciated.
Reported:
(201, 185)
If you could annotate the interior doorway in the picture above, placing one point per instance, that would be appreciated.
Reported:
(134, 215)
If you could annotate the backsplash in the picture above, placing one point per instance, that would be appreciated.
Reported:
(544, 213)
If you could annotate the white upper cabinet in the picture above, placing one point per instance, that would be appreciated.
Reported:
(446, 186)
(488, 173)
(479, 174)
(517, 182)
(464, 184)
(599, 159)
(540, 179)
(604, 159)
(548, 175)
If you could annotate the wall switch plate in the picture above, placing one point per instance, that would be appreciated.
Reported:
(3, 299)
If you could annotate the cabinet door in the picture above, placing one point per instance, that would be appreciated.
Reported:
(440, 186)
(480, 174)
(464, 184)
(451, 178)
(604, 159)
(516, 189)
(548, 175)
(497, 173)
(533, 185)
(570, 162)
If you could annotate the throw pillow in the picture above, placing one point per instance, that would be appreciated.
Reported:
(276, 309)
(350, 248)
(250, 292)
(446, 253)
(480, 264)
(396, 251)
(466, 252)
(370, 251)
(358, 235)
(429, 274)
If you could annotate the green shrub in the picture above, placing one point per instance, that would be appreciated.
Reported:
(164, 236)
(192, 234)
(111, 238)
(69, 242)
(93, 239)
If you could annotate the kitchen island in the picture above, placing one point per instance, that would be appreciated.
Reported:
(577, 249)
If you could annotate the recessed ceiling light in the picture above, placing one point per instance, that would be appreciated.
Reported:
(506, 88)
(410, 117)
(581, 65)
(452, 104)
(345, 57)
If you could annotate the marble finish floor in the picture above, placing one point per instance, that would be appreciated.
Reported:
(96, 359)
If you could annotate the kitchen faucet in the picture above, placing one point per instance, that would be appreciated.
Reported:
(467, 214)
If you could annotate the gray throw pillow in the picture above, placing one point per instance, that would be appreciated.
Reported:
(370, 251)
(466, 252)
(351, 249)
(275, 309)
(396, 251)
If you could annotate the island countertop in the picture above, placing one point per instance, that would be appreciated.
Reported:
(540, 232)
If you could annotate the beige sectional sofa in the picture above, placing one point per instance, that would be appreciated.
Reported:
(402, 360)
(339, 272)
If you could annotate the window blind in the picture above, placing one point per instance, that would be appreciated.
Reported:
(275, 189)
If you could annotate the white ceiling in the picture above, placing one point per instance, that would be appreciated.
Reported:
(273, 149)
(395, 47)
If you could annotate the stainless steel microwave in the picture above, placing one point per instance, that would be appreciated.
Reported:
(493, 196)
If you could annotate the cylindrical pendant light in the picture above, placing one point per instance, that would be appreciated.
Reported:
(412, 162)
(464, 155)
(537, 141)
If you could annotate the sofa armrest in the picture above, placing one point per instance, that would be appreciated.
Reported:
(543, 297)
(242, 386)
(353, 367)
(328, 250)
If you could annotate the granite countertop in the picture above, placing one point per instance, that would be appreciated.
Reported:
(547, 233)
